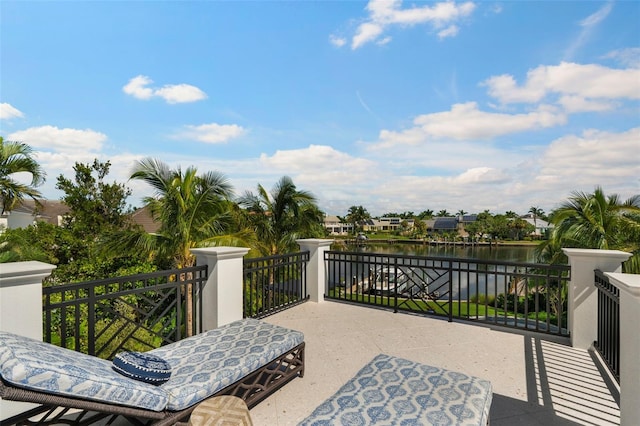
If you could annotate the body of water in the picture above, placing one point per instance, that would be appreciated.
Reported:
(499, 253)
(467, 278)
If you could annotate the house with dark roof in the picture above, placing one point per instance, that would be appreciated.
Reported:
(30, 212)
(53, 211)
(142, 217)
(442, 224)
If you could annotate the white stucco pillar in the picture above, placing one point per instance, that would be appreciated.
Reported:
(21, 310)
(583, 296)
(316, 276)
(222, 295)
(629, 285)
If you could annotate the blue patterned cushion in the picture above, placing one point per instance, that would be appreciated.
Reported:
(200, 366)
(145, 367)
(396, 391)
(204, 364)
(39, 366)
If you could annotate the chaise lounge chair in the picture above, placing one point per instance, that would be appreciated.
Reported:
(248, 358)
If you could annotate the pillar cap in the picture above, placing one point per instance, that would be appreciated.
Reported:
(629, 283)
(610, 254)
(14, 273)
(221, 252)
(319, 242)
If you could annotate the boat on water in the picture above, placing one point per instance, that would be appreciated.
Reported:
(386, 281)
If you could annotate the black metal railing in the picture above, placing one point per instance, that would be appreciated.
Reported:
(608, 343)
(522, 295)
(137, 312)
(274, 283)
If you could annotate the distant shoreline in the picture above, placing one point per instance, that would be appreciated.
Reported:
(353, 241)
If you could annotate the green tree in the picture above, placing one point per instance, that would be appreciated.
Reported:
(281, 217)
(95, 206)
(443, 213)
(357, 215)
(595, 220)
(519, 228)
(23, 244)
(426, 214)
(536, 212)
(499, 227)
(419, 229)
(98, 213)
(598, 221)
(193, 211)
(15, 158)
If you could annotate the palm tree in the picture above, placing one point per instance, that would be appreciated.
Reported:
(193, 210)
(15, 157)
(426, 214)
(281, 217)
(357, 215)
(536, 212)
(594, 220)
(599, 222)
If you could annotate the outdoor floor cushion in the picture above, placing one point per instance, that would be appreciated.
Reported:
(201, 366)
(396, 391)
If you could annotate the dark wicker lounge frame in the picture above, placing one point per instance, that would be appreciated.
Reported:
(253, 388)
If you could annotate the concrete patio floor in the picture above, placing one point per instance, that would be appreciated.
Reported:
(537, 379)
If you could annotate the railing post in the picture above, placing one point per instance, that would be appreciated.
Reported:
(629, 286)
(316, 277)
(222, 295)
(582, 315)
(21, 310)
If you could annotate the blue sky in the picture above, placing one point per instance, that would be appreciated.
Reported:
(395, 106)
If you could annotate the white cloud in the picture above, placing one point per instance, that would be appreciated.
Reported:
(384, 14)
(384, 41)
(366, 33)
(486, 175)
(588, 25)
(211, 133)
(574, 104)
(544, 176)
(180, 93)
(51, 138)
(337, 41)
(7, 112)
(171, 93)
(594, 158)
(450, 31)
(318, 162)
(586, 81)
(628, 57)
(137, 87)
(467, 122)
(444, 175)
(598, 16)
